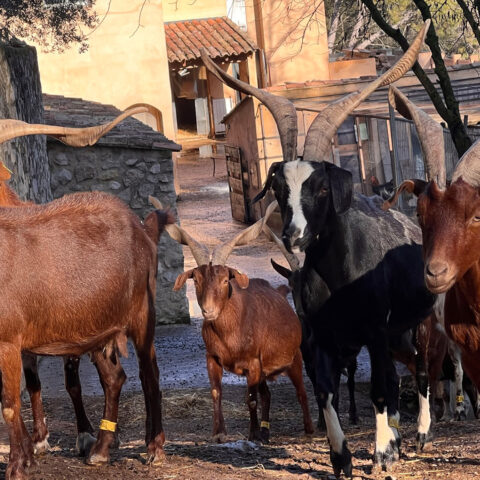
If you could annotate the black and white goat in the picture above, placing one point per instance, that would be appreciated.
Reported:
(362, 253)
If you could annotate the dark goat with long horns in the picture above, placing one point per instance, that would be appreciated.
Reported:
(249, 329)
(78, 275)
(353, 246)
(449, 216)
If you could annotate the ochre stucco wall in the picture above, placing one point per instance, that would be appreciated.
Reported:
(288, 59)
(174, 10)
(123, 65)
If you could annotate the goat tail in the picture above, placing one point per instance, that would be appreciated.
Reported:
(81, 346)
(156, 221)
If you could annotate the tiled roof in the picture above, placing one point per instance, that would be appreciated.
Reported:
(220, 36)
(130, 133)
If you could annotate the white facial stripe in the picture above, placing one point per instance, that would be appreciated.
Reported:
(296, 173)
(424, 419)
(334, 430)
(383, 434)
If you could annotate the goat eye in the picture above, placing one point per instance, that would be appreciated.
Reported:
(225, 282)
(476, 218)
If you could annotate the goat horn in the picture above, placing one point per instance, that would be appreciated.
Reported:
(291, 258)
(221, 252)
(468, 166)
(200, 252)
(319, 136)
(75, 137)
(282, 109)
(429, 132)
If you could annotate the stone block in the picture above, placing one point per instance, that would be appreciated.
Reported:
(84, 172)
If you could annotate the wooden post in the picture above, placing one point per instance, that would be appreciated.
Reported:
(257, 9)
(211, 119)
(392, 144)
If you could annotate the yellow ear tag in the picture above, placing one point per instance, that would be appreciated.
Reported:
(108, 425)
(264, 424)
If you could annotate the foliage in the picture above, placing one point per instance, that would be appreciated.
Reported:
(51, 24)
(454, 33)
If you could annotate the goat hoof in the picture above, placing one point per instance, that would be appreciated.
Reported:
(39, 448)
(460, 415)
(341, 461)
(423, 442)
(219, 438)
(96, 459)
(85, 441)
(265, 435)
(157, 459)
(385, 459)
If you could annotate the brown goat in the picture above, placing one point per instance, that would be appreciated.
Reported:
(449, 217)
(85, 431)
(76, 274)
(249, 329)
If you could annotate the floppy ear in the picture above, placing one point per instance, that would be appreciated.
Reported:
(182, 278)
(268, 182)
(414, 186)
(241, 278)
(341, 187)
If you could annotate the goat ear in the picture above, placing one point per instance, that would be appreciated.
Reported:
(182, 278)
(283, 271)
(241, 278)
(414, 186)
(341, 187)
(268, 182)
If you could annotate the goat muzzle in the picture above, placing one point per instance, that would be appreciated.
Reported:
(439, 276)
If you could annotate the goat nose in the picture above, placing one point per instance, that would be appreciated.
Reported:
(436, 269)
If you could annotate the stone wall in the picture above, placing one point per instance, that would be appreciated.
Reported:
(21, 98)
(132, 174)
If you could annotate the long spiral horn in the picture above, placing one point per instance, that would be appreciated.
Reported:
(221, 252)
(468, 167)
(282, 109)
(75, 137)
(430, 134)
(200, 252)
(323, 128)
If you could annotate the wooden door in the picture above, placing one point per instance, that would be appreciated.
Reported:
(237, 176)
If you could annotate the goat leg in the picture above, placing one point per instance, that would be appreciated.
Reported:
(112, 378)
(386, 447)
(251, 401)
(265, 397)
(296, 376)
(21, 446)
(32, 381)
(215, 372)
(85, 432)
(352, 411)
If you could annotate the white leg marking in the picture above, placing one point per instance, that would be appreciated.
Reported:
(42, 446)
(296, 173)
(384, 434)
(334, 430)
(424, 418)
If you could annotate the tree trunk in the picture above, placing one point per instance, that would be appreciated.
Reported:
(21, 99)
(332, 31)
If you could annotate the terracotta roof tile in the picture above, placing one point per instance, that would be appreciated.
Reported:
(220, 36)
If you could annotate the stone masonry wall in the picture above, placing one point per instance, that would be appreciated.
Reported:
(21, 99)
(132, 174)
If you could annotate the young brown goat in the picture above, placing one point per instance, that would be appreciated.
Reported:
(249, 329)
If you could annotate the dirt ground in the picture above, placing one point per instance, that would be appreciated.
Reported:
(204, 211)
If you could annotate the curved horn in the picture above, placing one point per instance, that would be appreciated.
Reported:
(468, 166)
(429, 132)
(222, 251)
(200, 252)
(75, 137)
(323, 128)
(291, 258)
(282, 109)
